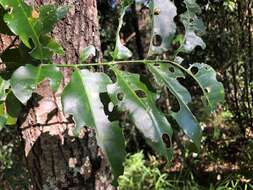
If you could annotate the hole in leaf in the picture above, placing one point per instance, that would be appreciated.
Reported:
(171, 69)
(166, 140)
(120, 96)
(207, 90)
(140, 94)
(157, 40)
(157, 11)
(175, 107)
(194, 70)
(110, 107)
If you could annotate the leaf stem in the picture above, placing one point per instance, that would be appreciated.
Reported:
(142, 61)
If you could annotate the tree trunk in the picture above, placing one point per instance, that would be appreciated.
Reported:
(55, 159)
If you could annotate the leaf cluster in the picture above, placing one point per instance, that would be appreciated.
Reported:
(81, 97)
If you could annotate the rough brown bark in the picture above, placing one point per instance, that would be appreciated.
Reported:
(54, 158)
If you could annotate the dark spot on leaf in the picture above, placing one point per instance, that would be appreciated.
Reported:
(194, 70)
(206, 90)
(166, 140)
(140, 94)
(157, 40)
(120, 96)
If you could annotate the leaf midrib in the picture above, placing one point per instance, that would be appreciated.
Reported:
(139, 100)
(171, 88)
(86, 93)
(174, 92)
(32, 29)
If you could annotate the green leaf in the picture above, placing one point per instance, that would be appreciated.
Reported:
(112, 142)
(26, 78)
(87, 52)
(213, 91)
(50, 15)
(2, 122)
(13, 105)
(14, 58)
(27, 23)
(129, 94)
(120, 51)
(164, 27)
(5, 118)
(4, 85)
(50, 46)
(193, 26)
(80, 99)
(166, 75)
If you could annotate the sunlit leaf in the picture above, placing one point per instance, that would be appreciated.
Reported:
(27, 23)
(49, 15)
(81, 100)
(5, 117)
(213, 91)
(164, 27)
(193, 26)
(26, 78)
(120, 51)
(167, 75)
(129, 94)
(4, 85)
(87, 52)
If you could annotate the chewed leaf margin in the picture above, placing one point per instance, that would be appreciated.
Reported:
(120, 51)
(81, 100)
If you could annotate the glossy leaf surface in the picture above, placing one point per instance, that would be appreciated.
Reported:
(87, 52)
(167, 75)
(129, 94)
(193, 26)
(4, 85)
(120, 51)
(27, 23)
(26, 78)
(81, 100)
(213, 91)
(164, 27)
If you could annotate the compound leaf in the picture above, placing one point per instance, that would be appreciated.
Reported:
(81, 100)
(26, 78)
(129, 94)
